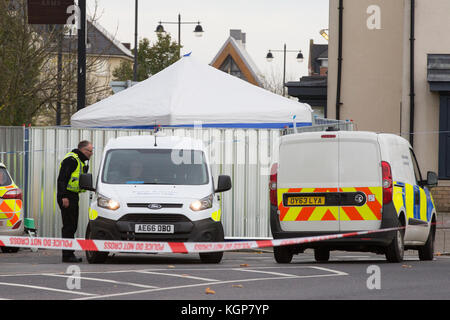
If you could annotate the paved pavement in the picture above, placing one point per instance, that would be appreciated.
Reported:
(442, 244)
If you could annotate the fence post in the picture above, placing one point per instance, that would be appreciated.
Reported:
(26, 157)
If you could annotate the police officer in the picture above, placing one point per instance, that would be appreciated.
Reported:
(71, 167)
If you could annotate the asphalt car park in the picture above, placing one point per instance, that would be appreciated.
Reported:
(255, 275)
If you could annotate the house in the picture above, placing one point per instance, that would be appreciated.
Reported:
(103, 54)
(312, 89)
(318, 59)
(389, 71)
(234, 59)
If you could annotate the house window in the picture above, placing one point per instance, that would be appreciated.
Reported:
(229, 66)
(444, 137)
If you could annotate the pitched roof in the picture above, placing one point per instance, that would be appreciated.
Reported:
(317, 52)
(236, 49)
(100, 42)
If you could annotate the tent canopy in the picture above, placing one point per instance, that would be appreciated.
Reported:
(189, 92)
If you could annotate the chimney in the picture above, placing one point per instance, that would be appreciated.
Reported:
(127, 45)
(239, 36)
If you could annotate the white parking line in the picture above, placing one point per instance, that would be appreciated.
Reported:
(178, 275)
(331, 273)
(104, 280)
(45, 288)
(267, 272)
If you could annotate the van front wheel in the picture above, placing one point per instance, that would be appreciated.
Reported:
(211, 257)
(426, 253)
(94, 256)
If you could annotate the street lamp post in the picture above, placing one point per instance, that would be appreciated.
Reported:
(135, 66)
(81, 95)
(198, 29)
(269, 58)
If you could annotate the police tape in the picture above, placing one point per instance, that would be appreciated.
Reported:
(166, 247)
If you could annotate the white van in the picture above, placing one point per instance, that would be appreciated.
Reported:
(155, 189)
(338, 182)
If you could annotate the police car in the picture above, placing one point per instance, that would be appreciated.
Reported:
(11, 217)
(339, 182)
(155, 188)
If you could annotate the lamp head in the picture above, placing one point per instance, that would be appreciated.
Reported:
(198, 30)
(160, 29)
(324, 34)
(269, 56)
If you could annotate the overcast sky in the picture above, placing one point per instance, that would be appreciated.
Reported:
(268, 25)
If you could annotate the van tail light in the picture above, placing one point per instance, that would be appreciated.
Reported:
(387, 182)
(13, 194)
(273, 184)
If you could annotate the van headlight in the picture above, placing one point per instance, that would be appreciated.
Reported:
(107, 203)
(202, 204)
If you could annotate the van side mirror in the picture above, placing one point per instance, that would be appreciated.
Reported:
(432, 179)
(86, 182)
(224, 184)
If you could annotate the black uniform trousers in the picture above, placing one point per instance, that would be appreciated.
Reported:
(69, 220)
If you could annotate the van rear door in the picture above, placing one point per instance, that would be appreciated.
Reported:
(360, 181)
(308, 198)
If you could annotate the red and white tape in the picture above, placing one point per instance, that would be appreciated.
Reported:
(165, 247)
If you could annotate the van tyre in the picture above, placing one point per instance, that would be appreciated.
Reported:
(9, 249)
(396, 249)
(321, 254)
(94, 256)
(211, 257)
(214, 257)
(426, 252)
(282, 254)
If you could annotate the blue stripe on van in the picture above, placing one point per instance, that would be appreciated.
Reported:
(430, 205)
(416, 206)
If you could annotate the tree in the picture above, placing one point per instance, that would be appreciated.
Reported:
(20, 61)
(274, 82)
(28, 70)
(151, 59)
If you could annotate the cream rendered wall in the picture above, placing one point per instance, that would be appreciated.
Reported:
(432, 36)
(372, 64)
(376, 69)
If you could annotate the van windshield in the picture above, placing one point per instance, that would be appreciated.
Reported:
(155, 166)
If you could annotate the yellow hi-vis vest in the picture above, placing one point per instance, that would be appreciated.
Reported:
(74, 181)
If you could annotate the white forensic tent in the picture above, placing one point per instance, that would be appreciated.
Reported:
(188, 92)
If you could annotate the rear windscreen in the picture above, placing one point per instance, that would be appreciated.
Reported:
(309, 163)
(155, 166)
(5, 180)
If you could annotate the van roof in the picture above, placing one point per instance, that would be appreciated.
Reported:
(348, 134)
(148, 142)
